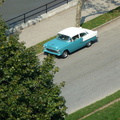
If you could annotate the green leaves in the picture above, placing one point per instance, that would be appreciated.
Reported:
(1, 1)
(27, 90)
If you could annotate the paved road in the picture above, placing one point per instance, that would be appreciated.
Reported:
(92, 73)
(13, 8)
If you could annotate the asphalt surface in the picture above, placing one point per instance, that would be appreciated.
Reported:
(13, 8)
(91, 73)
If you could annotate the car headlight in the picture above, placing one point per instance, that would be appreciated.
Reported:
(58, 50)
(44, 46)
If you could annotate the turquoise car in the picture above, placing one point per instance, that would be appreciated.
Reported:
(70, 40)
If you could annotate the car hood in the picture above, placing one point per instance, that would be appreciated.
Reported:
(56, 43)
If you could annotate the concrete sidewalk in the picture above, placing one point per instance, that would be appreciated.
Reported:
(49, 27)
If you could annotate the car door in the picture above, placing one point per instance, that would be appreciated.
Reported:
(84, 35)
(75, 43)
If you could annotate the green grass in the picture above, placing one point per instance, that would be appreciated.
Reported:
(110, 113)
(39, 47)
(102, 19)
(84, 111)
(97, 22)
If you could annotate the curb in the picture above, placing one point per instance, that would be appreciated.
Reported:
(42, 53)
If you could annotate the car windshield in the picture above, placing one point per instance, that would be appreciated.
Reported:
(63, 37)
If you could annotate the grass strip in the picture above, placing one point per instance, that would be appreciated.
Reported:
(89, 25)
(91, 108)
(102, 19)
(39, 47)
(110, 113)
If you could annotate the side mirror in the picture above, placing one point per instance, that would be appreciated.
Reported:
(71, 40)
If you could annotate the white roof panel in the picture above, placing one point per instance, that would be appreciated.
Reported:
(71, 31)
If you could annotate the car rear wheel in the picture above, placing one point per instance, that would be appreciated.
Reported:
(89, 44)
(64, 54)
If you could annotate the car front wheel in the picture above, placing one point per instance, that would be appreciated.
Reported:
(64, 54)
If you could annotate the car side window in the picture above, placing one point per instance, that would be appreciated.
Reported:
(75, 37)
(83, 34)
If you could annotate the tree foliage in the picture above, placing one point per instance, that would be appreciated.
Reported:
(1, 1)
(27, 91)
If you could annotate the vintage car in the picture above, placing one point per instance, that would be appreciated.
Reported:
(70, 40)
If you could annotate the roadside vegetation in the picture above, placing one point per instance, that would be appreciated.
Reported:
(102, 19)
(109, 113)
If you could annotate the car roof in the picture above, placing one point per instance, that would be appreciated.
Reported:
(72, 31)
